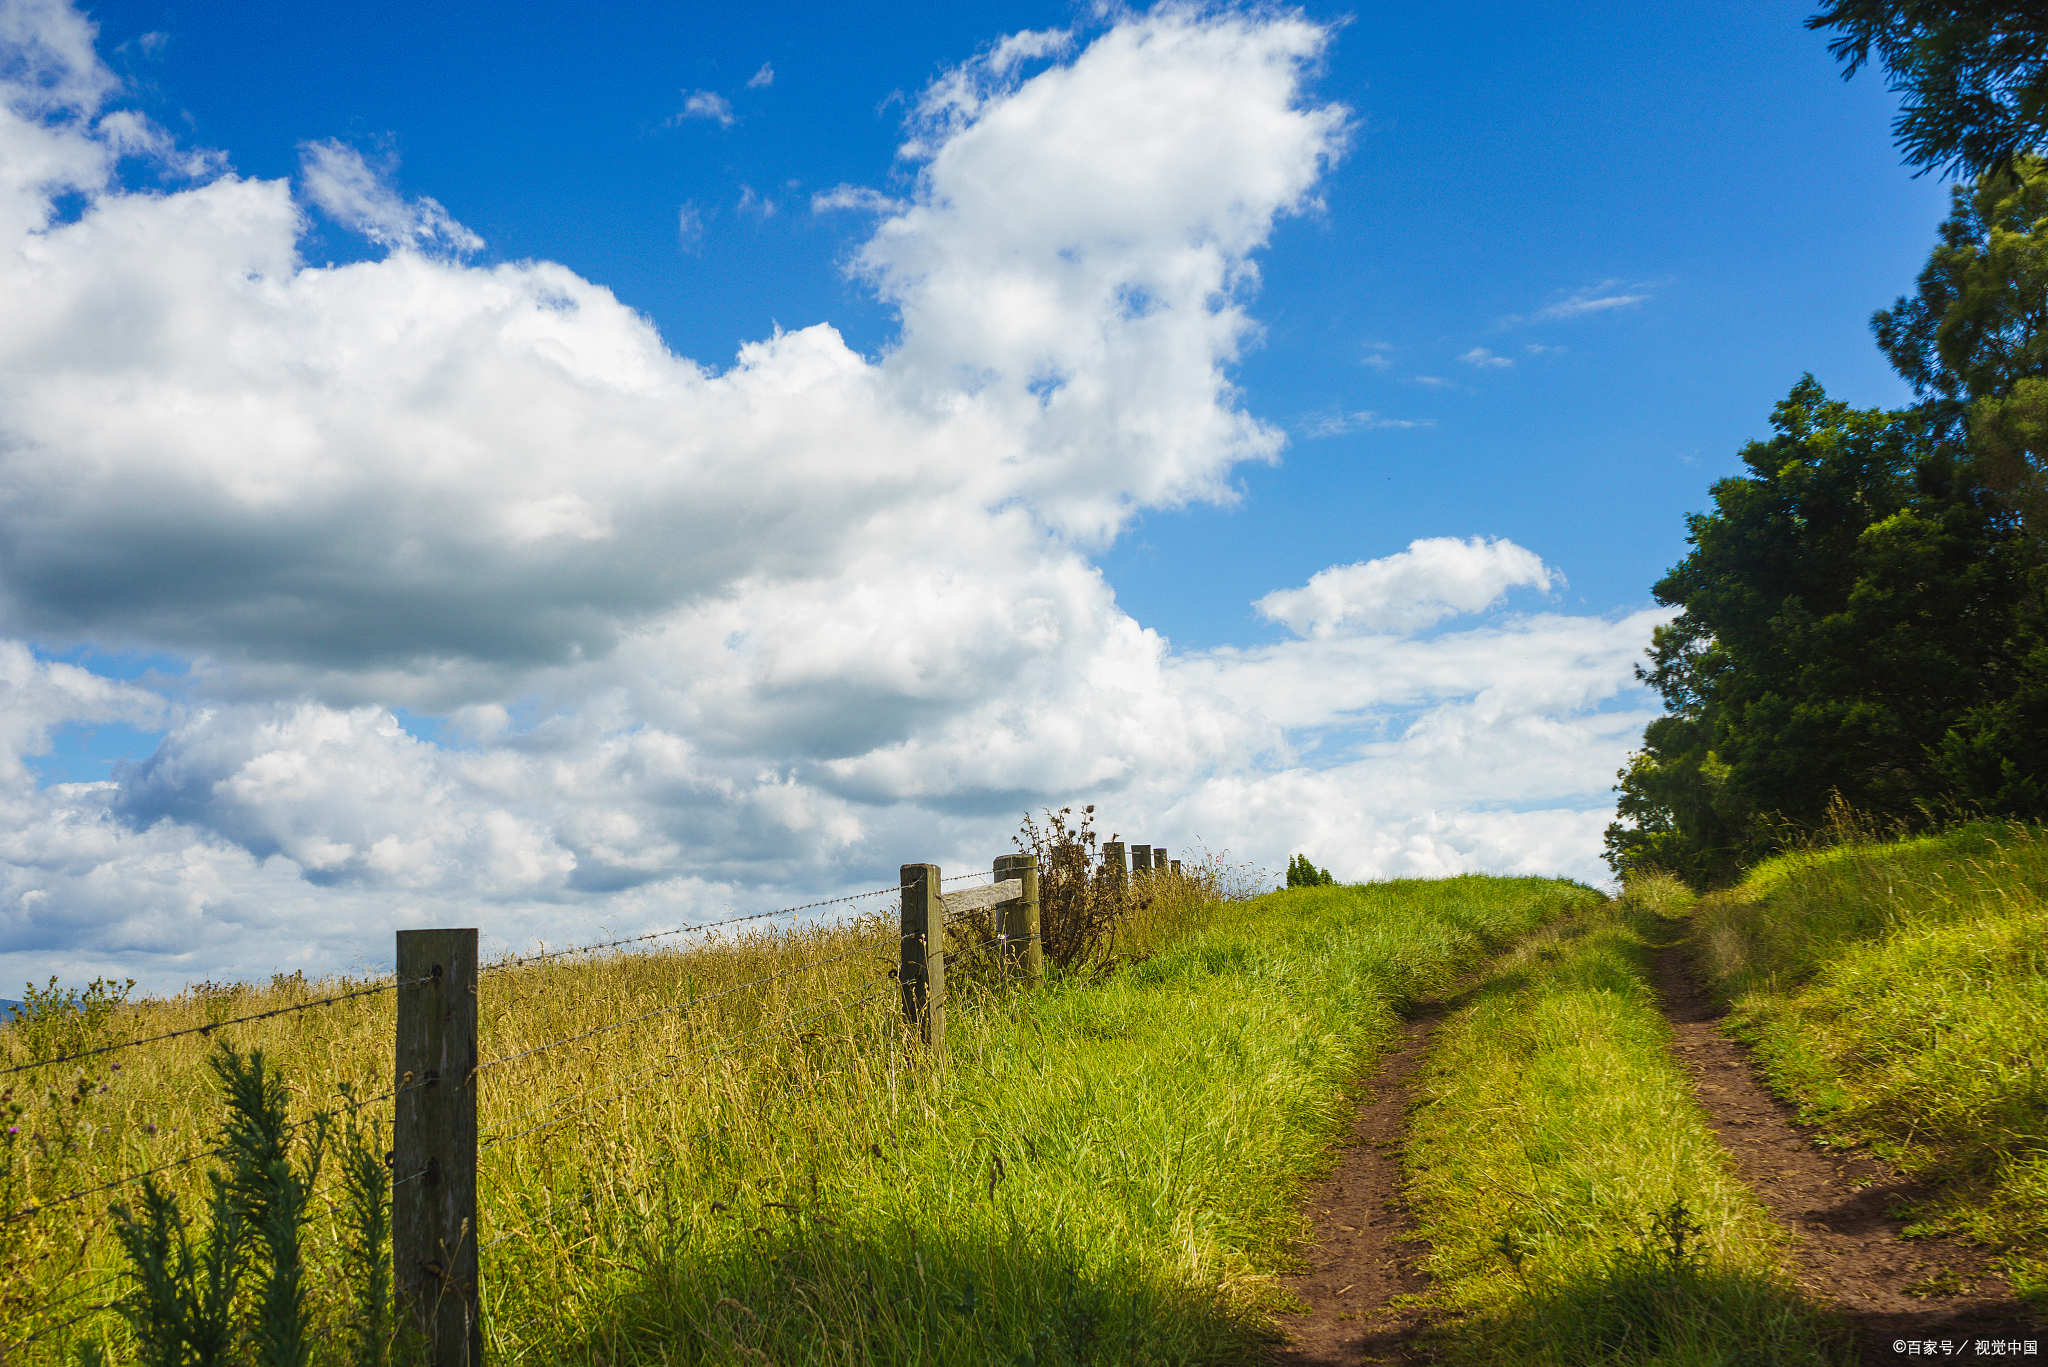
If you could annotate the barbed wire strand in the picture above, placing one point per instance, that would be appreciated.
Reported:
(706, 1133)
(63, 1301)
(527, 1228)
(39, 1207)
(616, 1093)
(667, 1062)
(216, 1025)
(49, 1329)
(350, 1106)
(610, 1026)
(711, 1058)
(523, 960)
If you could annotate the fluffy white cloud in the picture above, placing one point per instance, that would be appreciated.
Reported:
(1434, 578)
(701, 638)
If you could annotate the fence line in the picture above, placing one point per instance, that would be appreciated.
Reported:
(738, 1042)
(673, 1007)
(208, 1028)
(522, 961)
(657, 1066)
(349, 1107)
(1008, 910)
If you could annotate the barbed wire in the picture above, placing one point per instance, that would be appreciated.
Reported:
(49, 1329)
(659, 1065)
(675, 1006)
(65, 1300)
(738, 1043)
(776, 1095)
(353, 1104)
(523, 960)
(38, 1207)
(213, 1026)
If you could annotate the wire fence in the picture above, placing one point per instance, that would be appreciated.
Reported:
(206, 1029)
(899, 960)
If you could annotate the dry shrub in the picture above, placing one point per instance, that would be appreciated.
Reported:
(1092, 914)
(1081, 901)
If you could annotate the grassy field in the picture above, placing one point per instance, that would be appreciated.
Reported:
(1897, 992)
(1578, 1208)
(1107, 1169)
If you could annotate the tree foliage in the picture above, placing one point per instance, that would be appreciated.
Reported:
(1972, 74)
(1850, 603)
(1863, 611)
(1302, 874)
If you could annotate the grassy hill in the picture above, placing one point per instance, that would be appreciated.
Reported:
(1897, 992)
(1106, 1169)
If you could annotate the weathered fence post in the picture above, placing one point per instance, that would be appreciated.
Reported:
(433, 1140)
(1113, 858)
(921, 969)
(1159, 862)
(1175, 866)
(1141, 859)
(1022, 947)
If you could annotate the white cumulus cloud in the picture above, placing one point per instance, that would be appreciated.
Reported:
(1435, 578)
(687, 637)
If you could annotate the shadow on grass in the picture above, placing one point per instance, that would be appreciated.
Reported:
(796, 1290)
(1644, 1309)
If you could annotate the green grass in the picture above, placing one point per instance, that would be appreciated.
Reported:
(1897, 993)
(1110, 1172)
(1578, 1208)
(1107, 1170)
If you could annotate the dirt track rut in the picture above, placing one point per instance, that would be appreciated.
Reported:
(1847, 1245)
(1365, 1251)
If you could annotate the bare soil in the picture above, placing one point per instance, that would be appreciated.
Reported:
(1364, 1251)
(1845, 1210)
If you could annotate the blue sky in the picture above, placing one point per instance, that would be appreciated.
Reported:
(1502, 291)
(1506, 158)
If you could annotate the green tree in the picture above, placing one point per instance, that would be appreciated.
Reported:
(1973, 338)
(1302, 874)
(1849, 607)
(1972, 74)
(1864, 611)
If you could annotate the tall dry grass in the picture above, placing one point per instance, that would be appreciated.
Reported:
(608, 1079)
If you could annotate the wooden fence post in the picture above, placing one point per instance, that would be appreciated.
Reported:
(1175, 866)
(1023, 950)
(1159, 858)
(921, 968)
(433, 1140)
(1141, 859)
(1113, 858)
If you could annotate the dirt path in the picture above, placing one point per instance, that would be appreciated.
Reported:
(1848, 1250)
(1364, 1252)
